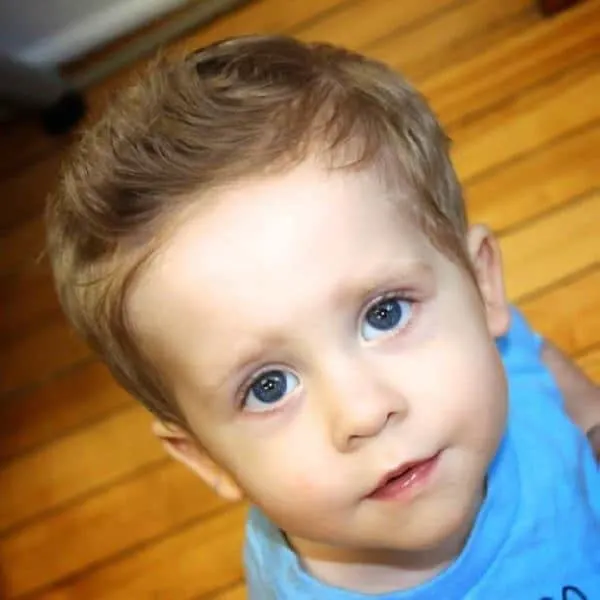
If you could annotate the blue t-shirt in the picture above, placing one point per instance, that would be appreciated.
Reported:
(537, 535)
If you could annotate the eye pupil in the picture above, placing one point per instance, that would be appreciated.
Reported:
(384, 315)
(270, 387)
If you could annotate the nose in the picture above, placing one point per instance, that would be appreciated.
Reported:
(361, 402)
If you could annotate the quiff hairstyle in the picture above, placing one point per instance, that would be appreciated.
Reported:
(242, 107)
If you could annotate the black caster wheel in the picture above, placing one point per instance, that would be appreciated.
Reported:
(64, 114)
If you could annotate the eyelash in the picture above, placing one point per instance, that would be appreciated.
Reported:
(401, 295)
(247, 386)
(397, 295)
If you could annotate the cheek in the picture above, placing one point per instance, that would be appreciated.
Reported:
(478, 398)
(467, 364)
(281, 468)
(457, 380)
(295, 492)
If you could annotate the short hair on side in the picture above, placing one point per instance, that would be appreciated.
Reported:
(244, 106)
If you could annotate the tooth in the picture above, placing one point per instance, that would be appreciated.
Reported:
(410, 479)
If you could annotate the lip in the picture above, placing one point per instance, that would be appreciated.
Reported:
(405, 479)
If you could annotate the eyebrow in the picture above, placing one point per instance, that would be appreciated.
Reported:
(387, 275)
(253, 353)
(391, 274)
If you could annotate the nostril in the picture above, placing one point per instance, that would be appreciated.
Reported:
(364, 431)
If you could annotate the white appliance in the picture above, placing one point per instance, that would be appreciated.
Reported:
(49, 32)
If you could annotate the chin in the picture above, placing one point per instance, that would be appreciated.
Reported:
(444, 530)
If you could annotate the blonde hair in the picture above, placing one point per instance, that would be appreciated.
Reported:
(244, 106)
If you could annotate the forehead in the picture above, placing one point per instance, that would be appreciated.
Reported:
(269, 247)
(286, 227)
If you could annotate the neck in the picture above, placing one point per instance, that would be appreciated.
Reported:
(374, 574)
(380, 571)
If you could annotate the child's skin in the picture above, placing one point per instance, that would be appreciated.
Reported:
(380, 350)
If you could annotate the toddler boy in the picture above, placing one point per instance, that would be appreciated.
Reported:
(268, 245)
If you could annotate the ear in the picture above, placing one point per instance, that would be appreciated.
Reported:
(486, 258)
(185, 449)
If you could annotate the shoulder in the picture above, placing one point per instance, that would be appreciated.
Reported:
(529, 380)
(521, 347)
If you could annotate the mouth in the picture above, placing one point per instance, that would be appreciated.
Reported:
(406, 478)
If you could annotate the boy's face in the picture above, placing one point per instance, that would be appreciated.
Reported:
(317, 341)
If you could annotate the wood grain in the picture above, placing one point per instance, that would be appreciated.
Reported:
(75, 465)
(124, 516)
(80, 395)
(454, 35)
(537, 182)
(515, 63)
(556, 245)
(196, 560)
(360, 23)
(568, 314)
(535, 117)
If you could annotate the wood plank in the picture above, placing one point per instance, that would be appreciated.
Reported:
(198, 560)
(536, 182)
(39, 353)
(360, 23)
(24, 143)
(237, 592)
(568, 315)
(23, 244)
(590, 363)
(503, 69)
(462, 31)
(165, 498)
(77, 397)
(27, 298)
(76, 464)
(23, 195)
(552, 247)
(263, 16)
(527, 122)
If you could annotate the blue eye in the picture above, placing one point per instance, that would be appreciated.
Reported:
(268, 389)
(385, 316)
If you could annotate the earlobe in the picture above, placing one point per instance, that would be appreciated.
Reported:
(486, 258)
(181, 446)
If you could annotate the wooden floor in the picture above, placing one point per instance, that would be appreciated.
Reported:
(89, 506)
